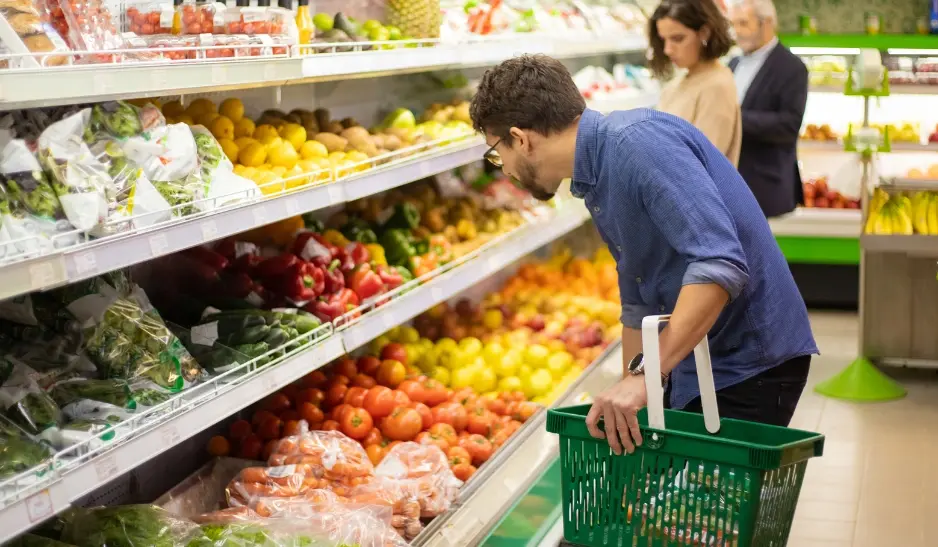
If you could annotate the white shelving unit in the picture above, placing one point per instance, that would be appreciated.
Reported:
(818, 222)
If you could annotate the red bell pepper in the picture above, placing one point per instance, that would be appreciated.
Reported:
(226, 248)
(390, 277)
(276, 266)
(312, 247)
(302, 282)
(365, 282)
(346, 264)
(247, 264)
(334, 306)
(207, 257)
(335, 279)
(358, 253)
(236, 284)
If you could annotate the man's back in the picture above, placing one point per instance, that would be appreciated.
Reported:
(707, 226)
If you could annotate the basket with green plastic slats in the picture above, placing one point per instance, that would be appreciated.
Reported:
(685, 485)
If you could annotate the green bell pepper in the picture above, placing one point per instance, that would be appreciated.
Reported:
(398, 248)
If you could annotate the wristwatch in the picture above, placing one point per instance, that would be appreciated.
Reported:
(637, 366)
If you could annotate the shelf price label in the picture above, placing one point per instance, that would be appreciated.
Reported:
(41, 275)
(86, 263)
(170, 434)
(293, 207)
(209, 230)
(260, 216)
(39, 506)
(106, 467)
(159, 245)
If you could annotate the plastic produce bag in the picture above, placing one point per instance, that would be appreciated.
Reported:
(128, 526)
(284, 481)
(423, 472)
(107, 400)
(223, 187)
(23, 401)
(328, 455)
(18, 452)
(399, 496)
(32, 214)
(93, 433)
(170, 160)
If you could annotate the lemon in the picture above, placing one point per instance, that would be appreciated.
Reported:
(272, 143)
(279, 170)
(222, 127)
(265, 130)
(336, 156)
(313, 149)
(492, 319)
(232, 108)
(253, 155)
(510, 383)
(441, 375)
(185, 118)
(244, 127)
(174, 109)
(230, 149)
(242, 142)
(201, 106)
(307, 166)
(206, 120)
(294, 134)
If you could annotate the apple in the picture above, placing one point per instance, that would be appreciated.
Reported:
(809, 190)
(821, 202)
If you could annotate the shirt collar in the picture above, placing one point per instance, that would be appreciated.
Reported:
(762, 52)
(584, 160)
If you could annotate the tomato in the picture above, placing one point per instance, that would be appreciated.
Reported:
(268, 449)
(312, 414)
(414, 390)
(345, 366)
(379, 402)
(357, 423)
(336, 394)
(478, 447)
(239, 429)
(425, 415)
(464, 396)
(458, 455)
(260, 416)
(368, 364)
(394, 352)
(453, 414)
(427, 438)
(512, 396)
(338, 412)
(400, 398)
(434, 393)
(219, 446)
(463, 471)
(292, 392)
(373, 437)
(513, 426)
(355, 396)
(500, 437)
(250, 448)
(340, 379)
(312, 395)
(363, 380)
(376, 453)
(480, 422)
(291, 428)
(391, 373)
(402, 425)
(289, 415)
(316, 378)
(445, 432)
(496, 406)
(330, 425)
(525, 410)
(269, 428)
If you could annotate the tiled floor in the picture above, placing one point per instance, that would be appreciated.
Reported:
(877, 484)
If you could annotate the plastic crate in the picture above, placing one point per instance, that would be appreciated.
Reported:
(684, 485)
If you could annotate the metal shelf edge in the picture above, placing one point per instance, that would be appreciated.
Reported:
(916, 245)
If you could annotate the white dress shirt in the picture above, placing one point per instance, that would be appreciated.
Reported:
(749, 66)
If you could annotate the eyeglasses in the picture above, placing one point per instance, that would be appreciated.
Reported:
(491, 155)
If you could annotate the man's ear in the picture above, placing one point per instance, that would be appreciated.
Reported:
(520, 136)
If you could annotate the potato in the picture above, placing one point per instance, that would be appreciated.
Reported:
(355, 132)
(273, 113)
(392, 142)
(333, 143)
(333, 127)
(363, 144)
(349, 122)
(322, 117)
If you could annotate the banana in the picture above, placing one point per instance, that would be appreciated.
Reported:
(871, 220)
(932, 215)
(920, 204)
(882, 224)
(903, 221)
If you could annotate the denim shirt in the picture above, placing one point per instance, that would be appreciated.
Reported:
(674, 211)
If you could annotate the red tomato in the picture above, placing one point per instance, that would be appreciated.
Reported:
(379, 402)
(376, 453)
(373, 437)
(463, 471)
(239, 429)
(525, 410)
(339, 412)
(480, 422)
(478, 447)
(458, 455)
(357, 423)
(336, 394)
(363, 380)
(311, 395)
(355, 396)
(291, 428)
(346, 367)
(250, 448)
(278, 402)
(434, 392)
(453, 414)
(260, 416)
(464, 396)
(269, 428)
(316, 378)
(340, 379)
(414, 390)
(394, 352)
(445, 432)
(330, 425)
(391, 373)
(400, 398)
(426, 415)
(402, 425)
(368, 364)
(312, 414)
(496, 406)
(289, 415)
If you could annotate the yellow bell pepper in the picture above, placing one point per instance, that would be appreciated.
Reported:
(336, 238)
(377, 254)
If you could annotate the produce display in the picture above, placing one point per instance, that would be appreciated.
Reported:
(912, 71)
(823, 132)
(624, 82)
(826, 70)
(573, 18)
(817, 194)
(902, 214)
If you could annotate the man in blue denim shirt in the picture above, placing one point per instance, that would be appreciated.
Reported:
(687, 235)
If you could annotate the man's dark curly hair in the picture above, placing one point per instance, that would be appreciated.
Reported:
(533, 92)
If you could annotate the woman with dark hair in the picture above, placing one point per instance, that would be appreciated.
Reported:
(692, 35)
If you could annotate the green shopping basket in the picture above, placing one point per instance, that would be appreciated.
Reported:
(700, 481)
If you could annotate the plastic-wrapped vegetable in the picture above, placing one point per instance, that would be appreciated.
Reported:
(128, 526)
(17, 451)
(223, 187)
(80, 431)
(82, 399)
(169, 157)
(24, 402)
(422, 471)
(328, 455)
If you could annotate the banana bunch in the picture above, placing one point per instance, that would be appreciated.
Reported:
(900, 215)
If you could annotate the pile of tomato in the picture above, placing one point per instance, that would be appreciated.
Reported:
(381, 402)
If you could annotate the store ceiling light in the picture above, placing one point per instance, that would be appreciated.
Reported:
(825, 50)
(902, 51)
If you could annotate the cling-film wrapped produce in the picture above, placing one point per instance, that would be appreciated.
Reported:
(23, 401)
(18, 452)
(128, 525)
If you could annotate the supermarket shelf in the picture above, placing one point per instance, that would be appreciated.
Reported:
(838, 147)
(22, 88)
(638, 100)
(853, 41)
(909, 185)
(894, 89)
(195, 410)
(807, 222)
(100, 256)
(512, 471)
(916, 245)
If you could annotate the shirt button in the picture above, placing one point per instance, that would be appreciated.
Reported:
(619, 248)
(661, 308)
(596, 209)
(638, 279)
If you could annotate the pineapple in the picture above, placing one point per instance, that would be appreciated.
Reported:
(416, 18)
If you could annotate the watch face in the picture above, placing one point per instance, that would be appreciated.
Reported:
(635, 365)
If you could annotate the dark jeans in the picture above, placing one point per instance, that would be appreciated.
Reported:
(769, 397)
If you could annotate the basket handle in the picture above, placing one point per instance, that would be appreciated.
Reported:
(652, 359)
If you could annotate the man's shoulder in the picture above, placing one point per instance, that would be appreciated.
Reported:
(788, 59)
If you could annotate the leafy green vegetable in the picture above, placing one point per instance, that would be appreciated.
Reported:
(117, 118)
(93, 398)
(128, 526)
(17, 451)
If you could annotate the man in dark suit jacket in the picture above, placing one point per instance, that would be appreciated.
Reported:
(772, 85)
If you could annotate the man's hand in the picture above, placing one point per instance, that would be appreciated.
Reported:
(618, 407)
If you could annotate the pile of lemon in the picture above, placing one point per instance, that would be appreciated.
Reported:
(276, 157)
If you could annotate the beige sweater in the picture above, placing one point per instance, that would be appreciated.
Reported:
(707, 99)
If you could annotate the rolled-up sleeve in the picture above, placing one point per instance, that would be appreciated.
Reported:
(632, 315)
(683, 202)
